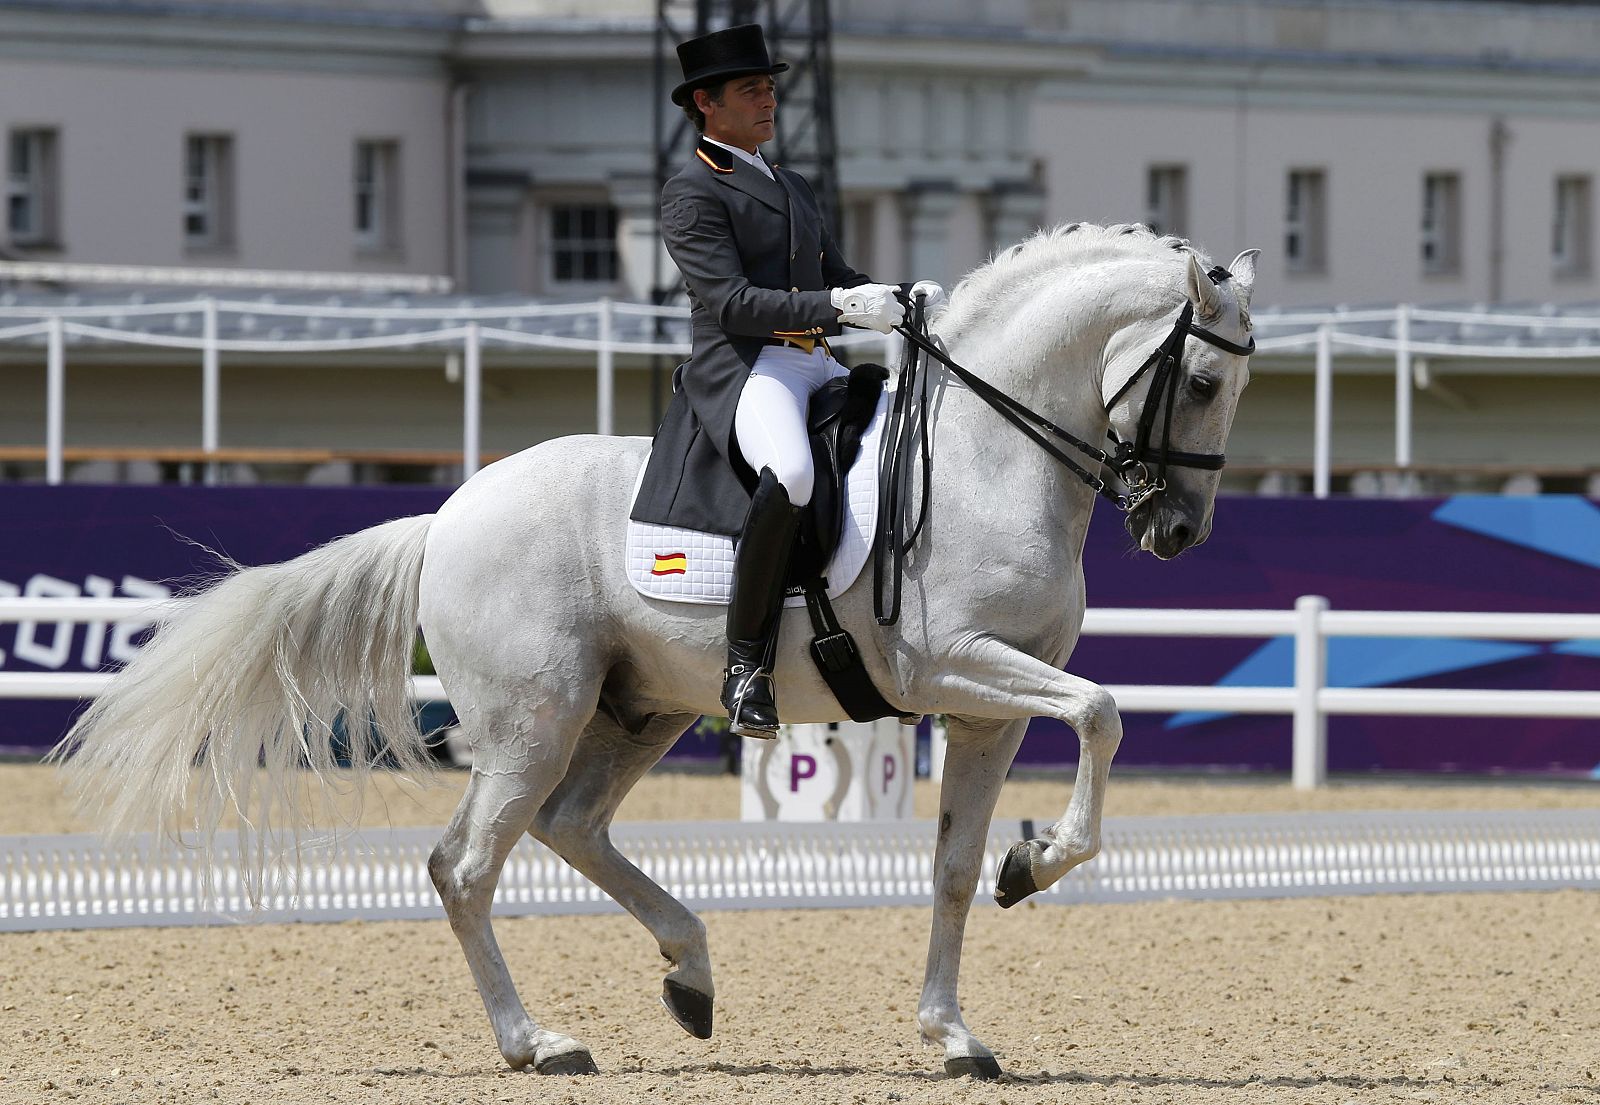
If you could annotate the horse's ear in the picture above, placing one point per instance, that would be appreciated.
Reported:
(1244, 275)
(1202, 292)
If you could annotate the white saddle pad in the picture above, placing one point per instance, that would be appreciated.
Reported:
(685, 565)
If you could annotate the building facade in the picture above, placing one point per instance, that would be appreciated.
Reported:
(202, 137)
(1377, 151)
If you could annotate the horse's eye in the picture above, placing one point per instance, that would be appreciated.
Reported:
(1203, 386)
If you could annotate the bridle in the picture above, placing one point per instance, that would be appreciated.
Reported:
(1128, 461)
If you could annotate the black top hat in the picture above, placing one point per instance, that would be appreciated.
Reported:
(720, 56)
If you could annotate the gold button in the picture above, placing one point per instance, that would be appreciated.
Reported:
(794, 254)
(794, 289)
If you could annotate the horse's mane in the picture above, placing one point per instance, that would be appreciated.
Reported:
(1068, 245)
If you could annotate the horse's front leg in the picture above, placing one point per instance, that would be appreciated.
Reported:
(976, 760)
(994, 679)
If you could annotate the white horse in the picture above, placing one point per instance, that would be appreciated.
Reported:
(570, 685)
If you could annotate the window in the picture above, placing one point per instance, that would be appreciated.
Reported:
(1166, 193)
(1305, 222)
(1569, 248)
(583, 243)
(208, 191)
(1441, 223)
(377, 190)
(31, 187)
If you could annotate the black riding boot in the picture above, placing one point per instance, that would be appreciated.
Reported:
(760, 561)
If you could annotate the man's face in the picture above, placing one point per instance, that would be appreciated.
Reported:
(742, 116)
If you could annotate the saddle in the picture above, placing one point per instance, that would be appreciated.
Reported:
(832, 543)
(839, 415)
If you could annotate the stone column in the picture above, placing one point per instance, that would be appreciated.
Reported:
(929, 205)
(1016, 210)
(635, 198)
(498, 239)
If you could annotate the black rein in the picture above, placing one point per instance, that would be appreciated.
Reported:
(909, 418)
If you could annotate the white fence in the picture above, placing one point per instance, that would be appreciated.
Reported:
(461, 331)
(1309, 700)
(606, 328)
(65, 882)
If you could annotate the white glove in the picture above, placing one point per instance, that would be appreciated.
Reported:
(870, 306)
(937, 301)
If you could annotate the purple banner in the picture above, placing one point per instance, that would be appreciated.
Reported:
(1462, 554)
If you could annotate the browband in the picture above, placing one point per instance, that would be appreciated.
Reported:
(1223, 343)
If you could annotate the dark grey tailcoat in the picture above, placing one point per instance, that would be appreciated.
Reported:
(758, 264)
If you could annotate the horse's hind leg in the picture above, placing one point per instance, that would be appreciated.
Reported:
(575, 823)
(518, 758)
(976, 761)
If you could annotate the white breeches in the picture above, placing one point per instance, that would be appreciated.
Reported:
(770, 423)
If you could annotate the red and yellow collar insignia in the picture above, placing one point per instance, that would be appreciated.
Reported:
(717, 159)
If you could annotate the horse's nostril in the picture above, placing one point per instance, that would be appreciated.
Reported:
(1180, 536)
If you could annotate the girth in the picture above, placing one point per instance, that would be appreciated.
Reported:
(838, 416)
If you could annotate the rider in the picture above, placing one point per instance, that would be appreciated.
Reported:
(767, 284)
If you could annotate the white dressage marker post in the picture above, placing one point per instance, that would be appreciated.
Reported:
(842, 771)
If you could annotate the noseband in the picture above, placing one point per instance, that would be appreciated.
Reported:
(1128, 461)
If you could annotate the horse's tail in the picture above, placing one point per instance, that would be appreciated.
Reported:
(268, 670)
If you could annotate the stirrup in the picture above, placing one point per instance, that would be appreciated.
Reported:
(745, 729)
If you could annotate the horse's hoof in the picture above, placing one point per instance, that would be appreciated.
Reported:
(982, 1067)
(689, 1007)
(1015, 880)
(568, 1062)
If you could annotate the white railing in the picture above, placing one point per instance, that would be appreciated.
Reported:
(1310, 701)
(79, 882)
(1322, 333)
(461, 331)
(184, 276)
(458, 331)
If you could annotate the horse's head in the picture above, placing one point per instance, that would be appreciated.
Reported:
(1204, 393)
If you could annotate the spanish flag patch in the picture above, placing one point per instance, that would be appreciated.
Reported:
(670, 564)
